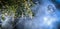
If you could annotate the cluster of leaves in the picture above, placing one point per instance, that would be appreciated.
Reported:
(20, 8)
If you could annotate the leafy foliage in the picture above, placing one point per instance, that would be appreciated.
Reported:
(20, 8)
